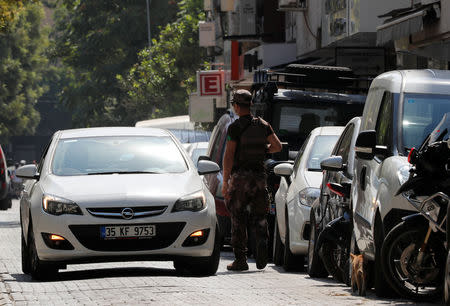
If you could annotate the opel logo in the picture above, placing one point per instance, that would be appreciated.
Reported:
(127, 213)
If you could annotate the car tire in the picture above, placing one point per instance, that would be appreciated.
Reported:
(316, 269)
(291, 262)
(25, 254)
(278, 248)
(201, 266)
(38, 269)
(5, 203)
(382, 287)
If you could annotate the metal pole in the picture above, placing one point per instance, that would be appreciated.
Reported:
(148, 24)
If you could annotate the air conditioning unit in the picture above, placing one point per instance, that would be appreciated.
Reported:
(292, 5)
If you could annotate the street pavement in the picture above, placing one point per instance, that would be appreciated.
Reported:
(140, 283)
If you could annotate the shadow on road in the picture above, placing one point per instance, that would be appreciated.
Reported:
(101, 273)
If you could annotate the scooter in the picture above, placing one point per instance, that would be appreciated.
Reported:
(414, 251)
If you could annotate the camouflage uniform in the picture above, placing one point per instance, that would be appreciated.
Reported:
(248, 205)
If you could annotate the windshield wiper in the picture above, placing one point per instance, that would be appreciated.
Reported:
(123, 172)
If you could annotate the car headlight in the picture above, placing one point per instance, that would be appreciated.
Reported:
(192, 202)
(308, 195)
(58, 206)
(403, 174)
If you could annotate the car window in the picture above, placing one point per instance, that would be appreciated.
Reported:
(421, 114)
(293, 122)
(43, 155)
(321, 149)
(299, 156)
(344, 146)
(93, 155)
(384, 122)
(219, 147)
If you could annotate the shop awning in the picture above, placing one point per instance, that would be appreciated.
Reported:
(401, 27)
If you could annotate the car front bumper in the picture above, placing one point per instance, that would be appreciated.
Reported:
(83, 233)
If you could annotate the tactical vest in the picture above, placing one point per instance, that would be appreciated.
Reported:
(252, 144)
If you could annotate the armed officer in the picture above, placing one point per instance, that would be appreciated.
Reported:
(244, 180)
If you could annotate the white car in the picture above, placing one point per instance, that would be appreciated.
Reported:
(111, 194)
(299, 187)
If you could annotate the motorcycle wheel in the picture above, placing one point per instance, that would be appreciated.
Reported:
(399, 252)
(332, 254)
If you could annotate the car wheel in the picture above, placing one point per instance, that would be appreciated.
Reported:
(291, 262)
(315, 264)
(5, 203)
(278, 248)
(25, 254)
(38, 269)
(202, 266)
(382, 287)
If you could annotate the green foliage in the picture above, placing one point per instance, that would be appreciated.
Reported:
(21, 66)
(160, 83)
(9, 10)
(97, 40)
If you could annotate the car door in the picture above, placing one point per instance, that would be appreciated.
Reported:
(369, 180)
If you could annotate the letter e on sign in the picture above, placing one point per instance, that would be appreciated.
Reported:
(210, 83)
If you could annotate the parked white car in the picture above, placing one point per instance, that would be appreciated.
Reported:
(109, 194)
(299, 187)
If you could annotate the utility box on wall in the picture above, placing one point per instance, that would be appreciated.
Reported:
(207, 34)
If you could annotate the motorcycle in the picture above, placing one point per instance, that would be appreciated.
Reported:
(414, 251)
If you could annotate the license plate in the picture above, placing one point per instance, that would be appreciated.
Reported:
(127, 231)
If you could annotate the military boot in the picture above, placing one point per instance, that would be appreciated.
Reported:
(239, 264)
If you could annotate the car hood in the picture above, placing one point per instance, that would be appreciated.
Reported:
(313, 178)
(123, 189)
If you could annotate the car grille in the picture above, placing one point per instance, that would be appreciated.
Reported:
(89, 237)
(116, 212)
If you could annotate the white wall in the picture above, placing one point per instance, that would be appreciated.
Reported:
(305, 40)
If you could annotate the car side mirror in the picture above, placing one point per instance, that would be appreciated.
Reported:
(365, 145)
(207, 167)
(203, 157)
(284, 169)
(332, 163)
(28, 172)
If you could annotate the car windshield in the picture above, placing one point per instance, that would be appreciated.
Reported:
(421, 114)
(117, 154)
(321, 149)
